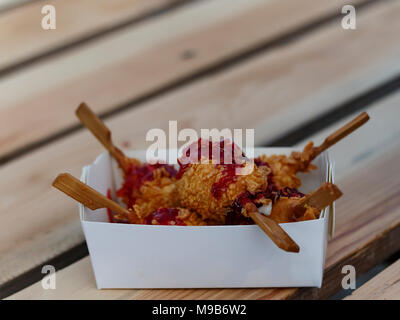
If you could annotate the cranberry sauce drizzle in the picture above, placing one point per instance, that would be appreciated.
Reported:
(235, 216)
(193, 154)
(224, 153)
(165, 217)
(290, 193)
(229, 169)
(219, 151)
(228, 176)
(182, 169)
(137, 175)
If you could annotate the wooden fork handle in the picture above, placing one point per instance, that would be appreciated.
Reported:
(341, 133)
(101, 132)
(86, 195)
(320, 199)
(272, 229)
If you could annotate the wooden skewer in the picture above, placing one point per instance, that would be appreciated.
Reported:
(320, 199)
(340, 134)
(102, 133)
(87, 195)
(272, 229)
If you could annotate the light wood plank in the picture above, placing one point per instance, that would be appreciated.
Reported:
(384, 286)
(8, 4)
(137, 61)
(23, 37)
(217, 101)
(364, 215)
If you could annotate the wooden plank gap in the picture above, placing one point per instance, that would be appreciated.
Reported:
(358, 103)
(213, 69)
(93, 36)
(35, 274)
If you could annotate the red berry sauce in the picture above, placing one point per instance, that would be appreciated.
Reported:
(136, 176)
(207, 149)
(235, 216)
(228, 176)
(165, 217)
(217, 151)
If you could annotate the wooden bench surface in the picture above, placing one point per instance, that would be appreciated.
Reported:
(385, 286)
(136, 68)
(287, 69)
(362, 229)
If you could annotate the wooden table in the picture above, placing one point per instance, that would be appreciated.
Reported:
(285, 68)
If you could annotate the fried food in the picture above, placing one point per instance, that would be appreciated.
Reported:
(171, 217)
(284, 168)
(149, 187)
(283, 211)
(211, 189)
(209, 192)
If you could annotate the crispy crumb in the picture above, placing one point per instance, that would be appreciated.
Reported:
(194, 189)
(285, 168)
(283, 211)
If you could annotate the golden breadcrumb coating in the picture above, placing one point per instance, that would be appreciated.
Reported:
(283, 211)
(284, 171)
(305, 157)
(284, 168)
(195, 189)
(193, 201)
(189, 218)
(158, 193)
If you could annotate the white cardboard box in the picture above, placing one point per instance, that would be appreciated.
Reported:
(147, 256)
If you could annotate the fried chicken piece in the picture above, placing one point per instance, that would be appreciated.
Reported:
(211, 189)
(284, 168)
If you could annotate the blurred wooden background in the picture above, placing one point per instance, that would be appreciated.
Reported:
(285, 68)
